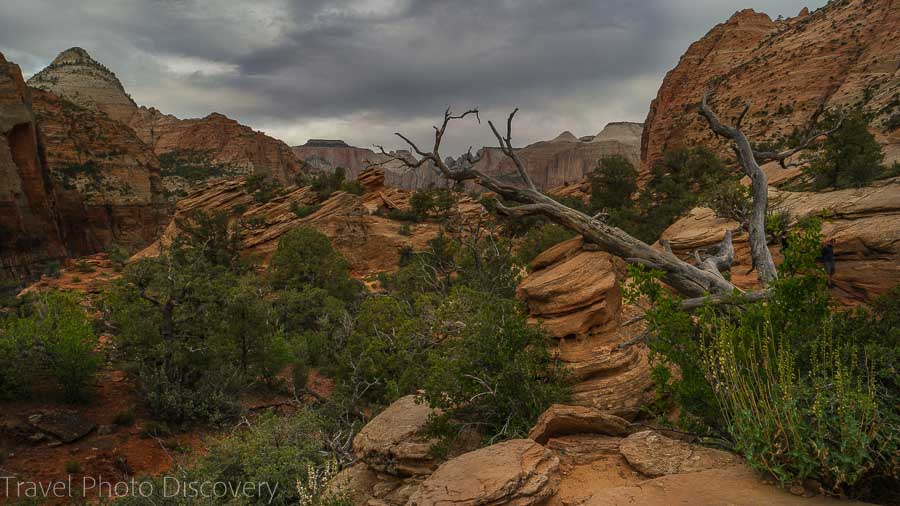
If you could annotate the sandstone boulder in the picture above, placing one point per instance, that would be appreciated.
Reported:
(518, 472)
(560, 420)
(392, 441)
(655, 455)
(864, 223)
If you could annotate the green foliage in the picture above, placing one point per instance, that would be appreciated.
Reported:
(191, 164)
(431, 203)
(302, 211)
(118, 255)
(684, 178)
(211, 234)
(277, 450)
(804, 389)
(539, 239)
(613, 183)
(325, 184)
(730, 200)
(492, 371)
(850, 157)
(262, 187)
(52, 336)
(306, 257)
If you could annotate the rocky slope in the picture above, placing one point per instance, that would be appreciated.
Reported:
(371, 243)
(844, 54)
(29, 234)
(864, 223)
(228, 147)
(327, 155)
(574, 455)
(566, 159)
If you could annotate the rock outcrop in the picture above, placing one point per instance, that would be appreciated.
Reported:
(371, 243)
(573, 293)
(106, 181)
(561, 420)
(565, 159)
(864, 223)
(392, 442)
(29, 234)
(654, 455)
(844, 54)
(227, 148)
(74, 75)
(518, 472)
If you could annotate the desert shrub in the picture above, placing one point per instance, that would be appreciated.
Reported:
(52, 335)
(305, 257)
(353, 187)
(403, 215)
(271, 449)
(804, 390)
(539, 239)
(384, 356)
(193, 333)
(324, 184)
(613, 183)
(118, 255)
(302, 211)
(211, 234)
(492, 371)
(849, 157)
(730, 200)
(405, 230)
(191, 164)
(431, 203)
(261, 187)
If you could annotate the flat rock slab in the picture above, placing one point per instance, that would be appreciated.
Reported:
(65, 425)
(517, 472)
(656, 455)
(392, 441)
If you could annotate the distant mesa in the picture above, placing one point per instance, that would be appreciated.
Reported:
(326, 143)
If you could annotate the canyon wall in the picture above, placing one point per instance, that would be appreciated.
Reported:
(29, 234)
(846, 54)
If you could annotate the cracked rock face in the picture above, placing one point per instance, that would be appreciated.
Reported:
(656, 455)
(517, 472)
(845, 54)
(392, 442)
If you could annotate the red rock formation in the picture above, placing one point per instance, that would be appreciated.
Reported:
(28, 231)
(105, 180)
(844, 54)
(237, 148)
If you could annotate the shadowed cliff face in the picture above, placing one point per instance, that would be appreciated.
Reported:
(28, 230)
(840, 55)
(105, 181)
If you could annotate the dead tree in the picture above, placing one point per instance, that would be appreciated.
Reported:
(696, 281)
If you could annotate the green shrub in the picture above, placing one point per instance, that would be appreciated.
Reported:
(805, 390)
(613, 183)
(54, 335)
(302, 211)
(431, 203)
(275, 450)
(850, 157)
(262, 187)
(306, 257)
(492, 371)
(540, 239)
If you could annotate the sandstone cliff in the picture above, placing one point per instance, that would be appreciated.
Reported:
(566, 159)
(328, 155)
(28, 230)
(844, 54)
(105, 181)
(228, 147)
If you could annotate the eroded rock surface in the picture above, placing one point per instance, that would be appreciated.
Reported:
(656, 455)
(844, 54)
(392, 442)
(517, 472)
(573, 292)
(561, 420)
(864, 223)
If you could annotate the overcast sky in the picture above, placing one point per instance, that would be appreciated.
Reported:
(359, 70)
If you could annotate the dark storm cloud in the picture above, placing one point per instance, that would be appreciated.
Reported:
(360, 69)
